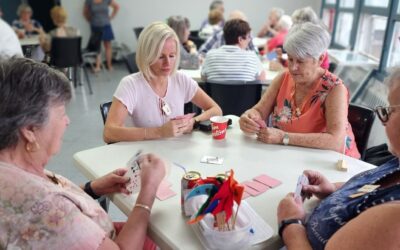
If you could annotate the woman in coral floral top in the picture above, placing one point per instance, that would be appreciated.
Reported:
(308, 105)
(39, 209)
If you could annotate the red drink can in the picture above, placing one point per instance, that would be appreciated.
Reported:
(188, 182)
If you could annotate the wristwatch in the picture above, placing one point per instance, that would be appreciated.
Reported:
(285, 223)
(196, 123)
(285, 139)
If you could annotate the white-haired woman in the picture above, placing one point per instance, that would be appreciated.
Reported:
(25, 25)
(283, 26)
(188, 51)
(308, 105)
(151, 100)
(347, 218)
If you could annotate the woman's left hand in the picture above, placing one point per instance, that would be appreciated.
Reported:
(290, 208)
(189, 126)
(270, 135)
(113, 182)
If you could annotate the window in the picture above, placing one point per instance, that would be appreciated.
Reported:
(343, 30)
(394, 55)
(328, 18)
(371, 35)
(330, 1)
(347, 4)
(377, 3)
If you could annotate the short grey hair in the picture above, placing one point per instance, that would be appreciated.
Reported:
(23, 7)
(179, 24)
(27, 90)
(285, 22)
(303, 15)
(278, 12)
(307, 40)
(215, 4)
(393, 80)
(150, 44)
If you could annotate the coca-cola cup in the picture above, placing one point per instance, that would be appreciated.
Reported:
(218, 126)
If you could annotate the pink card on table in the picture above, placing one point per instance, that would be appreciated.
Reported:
(250, 190)
(257, 186)
(245, 195)
(267, 180)
(164, 191)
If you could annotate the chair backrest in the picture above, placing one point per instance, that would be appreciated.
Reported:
(361, 119)
(65, 51)
(130, 61)
(137, 31)
(94, 42)
(104, 108)
(234, 97)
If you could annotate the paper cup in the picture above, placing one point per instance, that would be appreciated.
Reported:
(218, 126)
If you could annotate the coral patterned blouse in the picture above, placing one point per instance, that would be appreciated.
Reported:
(310, 117)
(38, 214)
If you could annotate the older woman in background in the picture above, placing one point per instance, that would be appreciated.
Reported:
(308, 105)
(347, 218)
(188, 51)
(150, 104)
(269, 28)
(40, 208)
(25, 25)
(59, 16)
(283, 26)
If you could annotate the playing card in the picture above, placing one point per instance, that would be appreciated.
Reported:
(133, 173)
(302, 180)
(267, 180)
(250, 190)
(256, 185)
(212, 160)
(261, 123)
(164, 191)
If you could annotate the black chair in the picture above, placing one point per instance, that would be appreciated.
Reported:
(361, 119)
(234, 97)
(66, 53)
(194, 37)
(137, 31)
(104, 108)
(130, 61)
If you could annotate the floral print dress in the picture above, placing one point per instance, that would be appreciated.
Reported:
(310, 116)
(38, 214)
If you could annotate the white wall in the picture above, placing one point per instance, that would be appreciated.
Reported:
(140, 13)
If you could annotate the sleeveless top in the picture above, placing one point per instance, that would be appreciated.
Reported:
(310, 117)
(337, 209)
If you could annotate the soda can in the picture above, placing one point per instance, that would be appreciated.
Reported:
(188, 182)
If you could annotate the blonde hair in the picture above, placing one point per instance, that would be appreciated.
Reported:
(58, 15)
(215, 16)
(150, 44)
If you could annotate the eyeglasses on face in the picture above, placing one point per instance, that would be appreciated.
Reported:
(385, 112)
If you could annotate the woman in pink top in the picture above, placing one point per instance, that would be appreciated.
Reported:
(308, 105)
(284, 24)
(40, 209)
(149, 104)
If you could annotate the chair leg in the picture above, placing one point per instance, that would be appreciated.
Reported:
(87, 80)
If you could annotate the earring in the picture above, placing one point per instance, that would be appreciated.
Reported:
(32, 146)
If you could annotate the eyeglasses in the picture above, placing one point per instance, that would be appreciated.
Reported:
(385, 112)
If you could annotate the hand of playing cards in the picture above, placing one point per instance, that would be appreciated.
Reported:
(133, 186)
(303, 180)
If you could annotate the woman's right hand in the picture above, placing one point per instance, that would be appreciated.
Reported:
(174, 128)
(318, 185)
(248, 122)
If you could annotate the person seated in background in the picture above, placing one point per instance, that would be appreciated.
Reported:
(302, 15)
(146, 104)
(232, 61)
(269, 28)
(40, 208)
(188, 51)
(215, 5)
(10, 45)
(308, 105)
(347, 218)
(25, 25)
(59, 16)
(283, 26)
(214, 19)
(217, 40)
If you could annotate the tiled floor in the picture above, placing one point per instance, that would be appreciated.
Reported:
(86, 128)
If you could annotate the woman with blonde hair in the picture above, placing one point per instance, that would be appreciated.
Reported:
(148, 104)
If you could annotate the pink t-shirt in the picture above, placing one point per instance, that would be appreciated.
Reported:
(38, 214)
(144, 105)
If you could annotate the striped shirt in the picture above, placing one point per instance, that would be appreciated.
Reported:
(231, 63)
